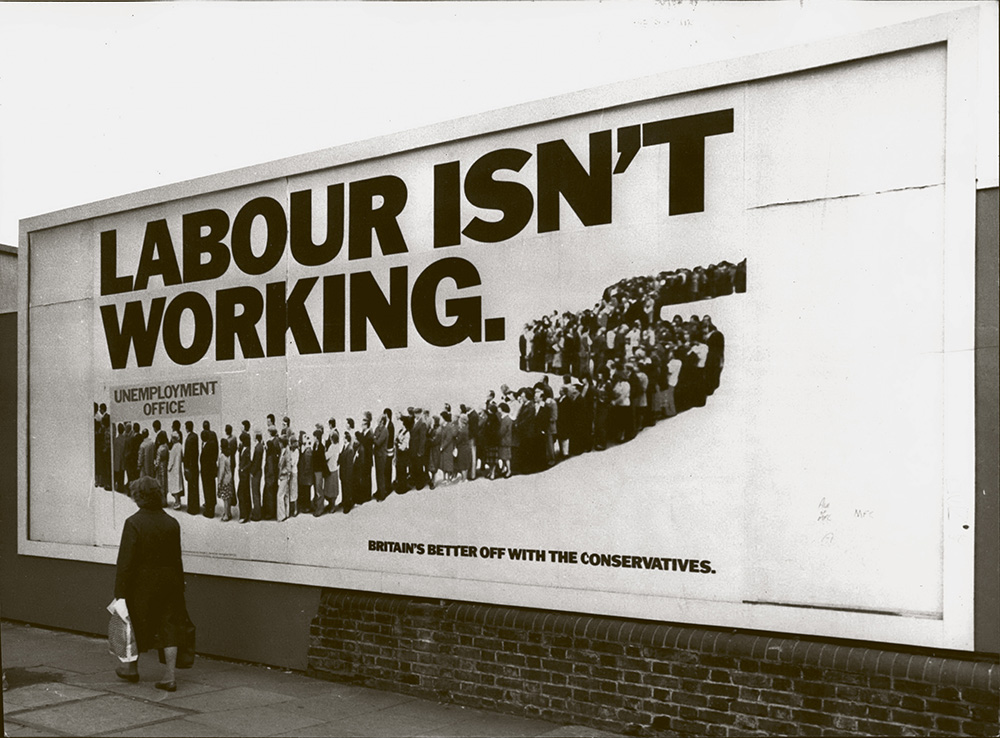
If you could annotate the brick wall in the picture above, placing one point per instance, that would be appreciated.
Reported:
(647, 678)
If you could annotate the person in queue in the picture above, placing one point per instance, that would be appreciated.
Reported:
(331, 482)
(256, 476)
(243, 488)
(191, 475)
(433, 450)
(209, 468)
(175, 470)
(284, 491)
(320, 472)
(225, 487)
(304, 501)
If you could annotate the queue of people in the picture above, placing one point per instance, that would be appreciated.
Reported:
(629, 313)
(621, 367)
(280, 473)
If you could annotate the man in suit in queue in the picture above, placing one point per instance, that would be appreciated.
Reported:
(118, 450)
(243, 490)
(146, 457)
(380, 439)
(418, 449)
(364, 460)
(345, 465)
(256, 473)
(209, 467)
(320, 469)
(522, 458)
(191, 448)
(541, 443)
(132, 454)
(716, 359)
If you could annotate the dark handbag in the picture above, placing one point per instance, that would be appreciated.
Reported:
(185, 652)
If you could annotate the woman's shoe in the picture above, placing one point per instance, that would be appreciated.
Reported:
(127, 676)
(167, 686)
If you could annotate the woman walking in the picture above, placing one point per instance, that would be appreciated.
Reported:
(150, 578)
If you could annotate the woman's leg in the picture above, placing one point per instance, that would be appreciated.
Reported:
(170, 656)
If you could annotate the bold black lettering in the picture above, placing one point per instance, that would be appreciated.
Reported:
(283, 314)
(135, 330)
(157, 256)
(276, 322)
(298, 317)
(334, 304)
(512, 199)
(202, 339)
(369, 305)
(304, 250)
(196, 245)
(686, 137)
(111, 283)
(229, 325)
(277, 234)
(467, 311)
(366, 218)
(629, 143)
(447, 208)
(560, 173)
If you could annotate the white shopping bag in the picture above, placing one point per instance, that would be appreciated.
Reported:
(121, 637)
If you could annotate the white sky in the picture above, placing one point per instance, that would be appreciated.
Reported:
(105, 99)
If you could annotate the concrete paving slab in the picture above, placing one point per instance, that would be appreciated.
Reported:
(409, 718)
(380, 723)
(181, 728)
(345, 702)
(33, 656)
(490, 726)
(260, 721)
(226, 700)
(41, 695)
(102, 714)
(13, 730)
(323, 730)
(207, 665)
(259, 677)
(82, 663)
(17, 676)
(418, 708)
(144, 689)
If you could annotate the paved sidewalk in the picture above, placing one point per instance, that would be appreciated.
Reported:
(63, 684)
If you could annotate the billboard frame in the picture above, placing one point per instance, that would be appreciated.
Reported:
(957, 31)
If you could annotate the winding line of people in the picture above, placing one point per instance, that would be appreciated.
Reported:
(520, 432)
(623, 368)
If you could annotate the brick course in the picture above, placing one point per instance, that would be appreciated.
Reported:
(645, 678)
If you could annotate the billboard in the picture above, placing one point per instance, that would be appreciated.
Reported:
(689, 350)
